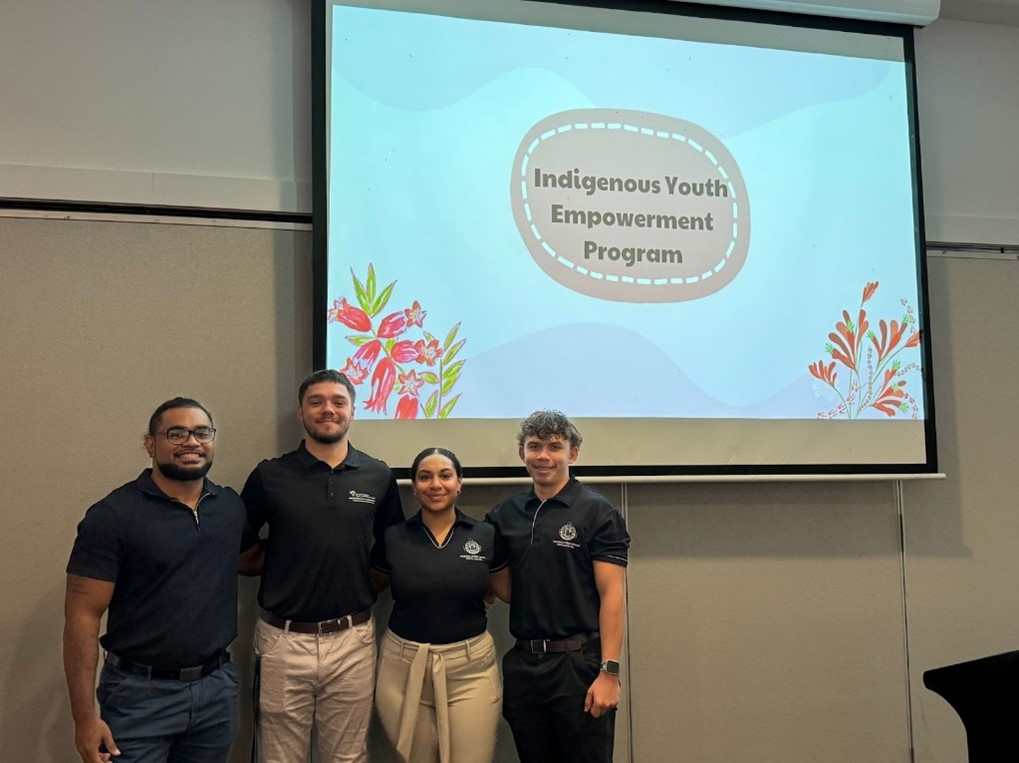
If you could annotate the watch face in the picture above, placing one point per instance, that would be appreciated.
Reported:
(611, 667)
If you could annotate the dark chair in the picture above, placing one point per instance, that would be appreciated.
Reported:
(985, 694)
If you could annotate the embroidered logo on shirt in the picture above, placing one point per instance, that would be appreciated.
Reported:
(568, 533)
(473, 549)
(357, 497)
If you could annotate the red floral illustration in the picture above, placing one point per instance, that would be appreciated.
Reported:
(390, 361)
(869, 364)
(415, 315)
(404, 351)
(353, 317)
(824, 373)
(428, 352)
(410, 384)
(407, 408)
(382, 385)
(392, 325)
(360, 363)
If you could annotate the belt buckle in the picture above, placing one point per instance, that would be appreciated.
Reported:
(332, 626)
(542, 646)
(191, 674)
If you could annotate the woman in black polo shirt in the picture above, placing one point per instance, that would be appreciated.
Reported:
(438, 691)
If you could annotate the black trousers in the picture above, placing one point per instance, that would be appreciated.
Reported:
(543, 702)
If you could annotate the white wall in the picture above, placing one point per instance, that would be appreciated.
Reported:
(968, 103)
(208, 104)
(187, 103)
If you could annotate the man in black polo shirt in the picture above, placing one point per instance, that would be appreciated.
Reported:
(160, 554)
(327, 506)
(567, 547)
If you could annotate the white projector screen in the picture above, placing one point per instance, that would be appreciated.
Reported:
(699, 236)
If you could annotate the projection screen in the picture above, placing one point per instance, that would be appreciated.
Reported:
(698, 235)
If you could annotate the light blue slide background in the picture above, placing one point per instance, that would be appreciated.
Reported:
(427, 113)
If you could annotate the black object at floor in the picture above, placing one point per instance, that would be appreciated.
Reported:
(985, 694)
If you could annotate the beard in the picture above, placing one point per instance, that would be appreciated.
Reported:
(184, 473)
(323, 436)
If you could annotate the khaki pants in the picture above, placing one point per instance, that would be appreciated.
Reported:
(440, 702)
(307, 679)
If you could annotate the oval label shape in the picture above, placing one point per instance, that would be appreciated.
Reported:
(630, 206)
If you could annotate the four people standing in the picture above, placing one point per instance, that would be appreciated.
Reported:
(556, 552)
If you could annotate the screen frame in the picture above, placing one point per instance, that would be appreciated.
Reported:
(320, 240)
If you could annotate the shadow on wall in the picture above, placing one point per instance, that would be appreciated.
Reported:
(35, 695)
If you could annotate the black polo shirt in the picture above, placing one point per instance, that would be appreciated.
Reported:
(552, 547)
(439, 592)
(326, 528)
(174, 600)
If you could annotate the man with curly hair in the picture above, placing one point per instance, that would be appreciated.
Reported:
(568, 548)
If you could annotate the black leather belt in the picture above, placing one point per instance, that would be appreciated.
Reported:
(547, 645)
(168, 674)
(325, 626)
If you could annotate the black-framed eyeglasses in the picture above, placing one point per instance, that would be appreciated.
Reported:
(180, 435)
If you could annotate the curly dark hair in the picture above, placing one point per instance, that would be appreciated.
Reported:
(546, 424)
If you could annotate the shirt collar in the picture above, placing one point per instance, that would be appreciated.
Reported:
(308, 461)
(565, 497)
(461, 519)
(148, 485)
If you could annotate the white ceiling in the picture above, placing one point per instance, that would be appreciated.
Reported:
(986, 11)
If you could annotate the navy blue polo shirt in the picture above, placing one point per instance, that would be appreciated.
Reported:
(174, 599)
(326, 529)
(552, 546)
(439, 589)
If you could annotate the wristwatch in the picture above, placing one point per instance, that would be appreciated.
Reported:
(611, 667)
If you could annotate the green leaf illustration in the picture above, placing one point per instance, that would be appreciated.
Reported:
(381, 300)
(433, 400)
(430, 377)
(447, 408)
(452, 351)
(362, 296)
(370, 286)
(357, 341)
(451, 336)
(450, 376)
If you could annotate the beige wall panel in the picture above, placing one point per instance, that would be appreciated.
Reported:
(962, 561)
(766, 624)
(99, 323)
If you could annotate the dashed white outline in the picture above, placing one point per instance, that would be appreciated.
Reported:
(662, 134)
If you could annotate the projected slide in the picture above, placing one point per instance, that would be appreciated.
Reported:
(620, 225)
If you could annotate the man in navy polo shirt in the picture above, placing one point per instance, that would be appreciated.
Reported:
(327, 506)
(568, 548)
(160, 554)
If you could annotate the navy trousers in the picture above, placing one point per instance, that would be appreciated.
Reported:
(166, 721)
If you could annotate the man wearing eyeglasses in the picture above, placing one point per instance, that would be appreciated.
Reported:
(160, 555)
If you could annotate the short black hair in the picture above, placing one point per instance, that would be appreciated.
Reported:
(325, 375)
(175, 402)
(436, 452)
(547, 424)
